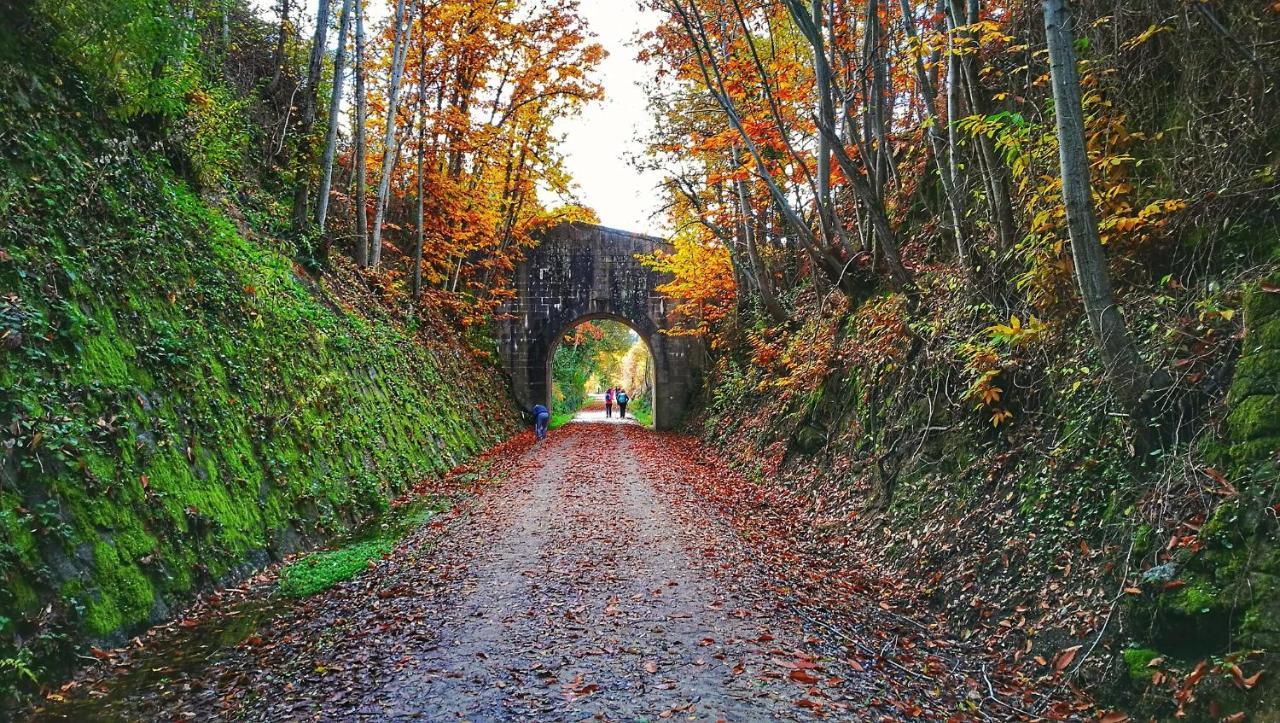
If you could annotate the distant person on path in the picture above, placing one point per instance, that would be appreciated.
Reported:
(622, 404)
(608, 402)
(541, 418)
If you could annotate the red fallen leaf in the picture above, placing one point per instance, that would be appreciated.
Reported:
(801, 676)
(1113, 717)
(1195, 675)
(802, 664)
(739, 669)
(1174, 584)
(1065, 657)
(855, 665)
(810, 704)
(99, 653)
(188, 623)
(1251, 680)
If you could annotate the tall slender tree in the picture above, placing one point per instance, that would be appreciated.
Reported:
(335, 103)
(415, 285)
(399, 49)
(310, 98)
(938, 142)
(1125, 368)
(361, 146)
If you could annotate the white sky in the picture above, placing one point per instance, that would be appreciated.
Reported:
(598, 142)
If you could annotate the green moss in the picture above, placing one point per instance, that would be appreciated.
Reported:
(197, 402)
(123, 594)
(322, 570)
(1197, 598)
(104, 360)
(1137, 660)
(1141, 541)
(1258, 373)
(1255, 417)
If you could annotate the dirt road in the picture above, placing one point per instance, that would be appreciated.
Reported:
(593, 583)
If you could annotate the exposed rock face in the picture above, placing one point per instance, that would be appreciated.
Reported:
(580, 272)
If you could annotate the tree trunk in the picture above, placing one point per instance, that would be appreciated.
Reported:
(1125, 368)
(335, 102)
(416, 284)
(310, 97)
(362, 113)
(995, 176)
(763, 277)
(278, 59)
(826, 110)
(941, 151)
(860, 184)
(399, 49)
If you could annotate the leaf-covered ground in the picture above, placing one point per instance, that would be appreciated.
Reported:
(608, 572)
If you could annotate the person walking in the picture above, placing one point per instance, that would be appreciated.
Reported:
(622, 400)
(541, 419)
(608, 403)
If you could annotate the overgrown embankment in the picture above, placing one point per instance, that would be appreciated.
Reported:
(1149, 581)
(180, 403)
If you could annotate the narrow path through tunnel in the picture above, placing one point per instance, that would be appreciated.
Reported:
(581, 272)
(595, 364)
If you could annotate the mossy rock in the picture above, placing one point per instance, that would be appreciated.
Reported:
(1189, 622)
(1258, 373)
(809, 438)
(1254, 418)
(1137, 660)
(1259, 304)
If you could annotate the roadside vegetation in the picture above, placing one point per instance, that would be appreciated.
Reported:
(594, 356)
(994, 285)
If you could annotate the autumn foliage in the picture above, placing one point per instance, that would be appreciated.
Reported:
(974, 272)
(482, 86)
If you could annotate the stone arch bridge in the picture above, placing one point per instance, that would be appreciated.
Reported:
(579, 272)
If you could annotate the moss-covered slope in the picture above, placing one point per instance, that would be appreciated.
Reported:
(178, 402)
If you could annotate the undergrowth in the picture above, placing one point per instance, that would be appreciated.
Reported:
(318, 571)
(181, 402)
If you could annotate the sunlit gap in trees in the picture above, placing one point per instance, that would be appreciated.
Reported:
(593, 357)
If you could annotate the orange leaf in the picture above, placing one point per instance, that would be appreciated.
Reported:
(801, 676)
(1065, 657)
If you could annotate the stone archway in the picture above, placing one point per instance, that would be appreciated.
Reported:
(580, 271)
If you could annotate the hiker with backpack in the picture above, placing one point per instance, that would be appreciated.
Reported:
(622, 400)
(608, 403)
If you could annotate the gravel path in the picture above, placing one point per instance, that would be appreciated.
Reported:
(583, 599)
(592, 584)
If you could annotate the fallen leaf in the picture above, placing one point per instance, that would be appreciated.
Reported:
(801, 676)
(1065, 657)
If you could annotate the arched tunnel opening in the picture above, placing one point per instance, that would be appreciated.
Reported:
(591, 361)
